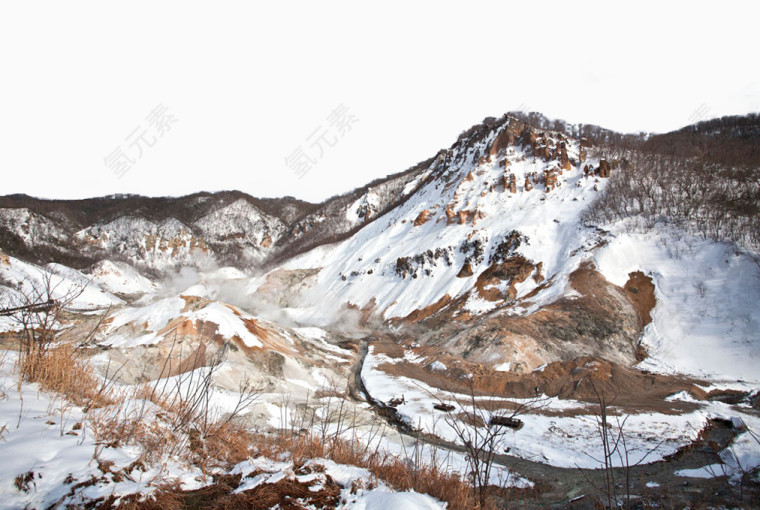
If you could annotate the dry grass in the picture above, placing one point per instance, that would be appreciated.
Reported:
(61, 370)
(150, 418)
(394, 470)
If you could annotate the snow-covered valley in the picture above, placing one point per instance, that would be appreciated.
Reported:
(414, 317)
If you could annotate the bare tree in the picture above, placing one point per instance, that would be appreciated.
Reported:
(612, 437)
(482, 428)
(37, 306)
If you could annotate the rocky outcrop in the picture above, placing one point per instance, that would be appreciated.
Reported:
(266, 242)
(564, 160)
(600, 322)
(528, 184)
(466, 271)
(550, 180)
(450, 214)
(497, 283)
(500, 144)
(422, 218)
(542, 151)
(510, 183)
(604, 168)
(470, 216)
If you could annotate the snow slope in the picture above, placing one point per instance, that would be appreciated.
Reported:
(363, 268)
(22, 277)
(706, 321)
(121, 278)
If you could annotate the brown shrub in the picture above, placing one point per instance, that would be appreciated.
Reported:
(61, 370)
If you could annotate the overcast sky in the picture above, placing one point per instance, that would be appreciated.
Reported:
(312, 99)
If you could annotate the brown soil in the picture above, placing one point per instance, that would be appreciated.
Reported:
(640, 292)
(286, 494)
(601, 322)
(582, 379)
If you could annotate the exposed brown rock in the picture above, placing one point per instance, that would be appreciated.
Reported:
(513, 185)
(528, 184)
(465, 216)
(466, 271)
(539, 277)
(550, 179)
(604, 168)
(469, 177)
(450, 215)
(197, 243)
(422, 218)
(266, 242)
(426, 312)
(564, 160)
(640, 292)
(542, 151)
(4, 260)
(528, 137)
(513, 270)
(601, 322)
(193, 303)
(500, 143)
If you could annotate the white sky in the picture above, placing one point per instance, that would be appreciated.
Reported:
(248, 83)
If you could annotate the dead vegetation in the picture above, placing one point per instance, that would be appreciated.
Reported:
(174, 417)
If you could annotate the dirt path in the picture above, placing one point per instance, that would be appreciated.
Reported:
(557, 487)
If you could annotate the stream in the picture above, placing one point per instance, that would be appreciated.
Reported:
(559, 487)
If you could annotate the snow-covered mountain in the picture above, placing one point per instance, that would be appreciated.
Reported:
(486, 245)
(529, 259)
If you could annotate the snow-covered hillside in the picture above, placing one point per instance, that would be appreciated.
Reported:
(706, 321)
(473, 277)
(471, 204)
